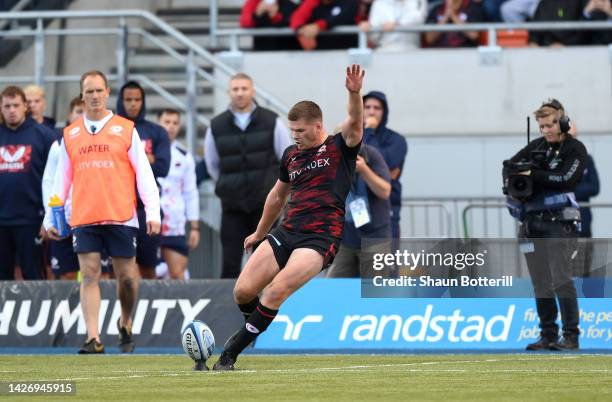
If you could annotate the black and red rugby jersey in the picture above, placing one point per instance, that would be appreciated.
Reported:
(320, 180)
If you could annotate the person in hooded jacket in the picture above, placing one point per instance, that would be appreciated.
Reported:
(390, 144)
(131, 105)
(24, 146)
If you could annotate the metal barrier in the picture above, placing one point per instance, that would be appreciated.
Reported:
(423, 217)
(192, 70)
(17, 7)
(501, 207)
(490, 54)
(444, 219)
(426, 216)
(498, 206)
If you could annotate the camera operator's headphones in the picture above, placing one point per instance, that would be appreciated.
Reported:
(564, 120)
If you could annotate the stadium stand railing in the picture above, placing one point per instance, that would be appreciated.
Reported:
(491, 31)
(122, 31)
(489, 53)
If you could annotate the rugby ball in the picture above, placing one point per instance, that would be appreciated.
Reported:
(198, 341)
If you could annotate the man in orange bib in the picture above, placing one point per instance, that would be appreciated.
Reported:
(104, 161)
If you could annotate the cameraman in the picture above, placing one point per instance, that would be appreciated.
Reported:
(540, 180)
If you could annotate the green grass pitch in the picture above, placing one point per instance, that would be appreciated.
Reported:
(498, 377)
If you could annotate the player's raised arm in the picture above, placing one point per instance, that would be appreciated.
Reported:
(352, 127)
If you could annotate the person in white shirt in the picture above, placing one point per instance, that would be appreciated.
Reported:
(64, 261)
(180, 201)
(390, 14)
(103, 161)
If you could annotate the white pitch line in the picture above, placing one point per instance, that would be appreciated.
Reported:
(391, 365)
(343, 368)
(339, 369)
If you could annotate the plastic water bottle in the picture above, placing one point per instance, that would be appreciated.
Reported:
(59, 216)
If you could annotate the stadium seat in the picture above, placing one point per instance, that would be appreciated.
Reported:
(512, 38)
(507, 38)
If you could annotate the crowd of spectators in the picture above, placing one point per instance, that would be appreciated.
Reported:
(310, 19)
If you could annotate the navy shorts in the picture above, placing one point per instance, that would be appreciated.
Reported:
(117, 240)
(175, 243)
(284, 242)
(147, 251)
(63, 257)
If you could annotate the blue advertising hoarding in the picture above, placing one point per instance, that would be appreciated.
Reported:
(331, 314)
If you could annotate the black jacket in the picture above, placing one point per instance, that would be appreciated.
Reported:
(558, 10)
(248, 166)
(563, 168)
(587, 188)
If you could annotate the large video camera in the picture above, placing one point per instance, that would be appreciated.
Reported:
(518, 185)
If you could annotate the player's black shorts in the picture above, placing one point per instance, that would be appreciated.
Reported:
(176, 243)
(284, 242)
(147, 249)
(63, 257)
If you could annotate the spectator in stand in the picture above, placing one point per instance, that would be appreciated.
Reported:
(368, 213)
(598, 10)
(37, 105)
(24, 146)
(315, 16)
(557, 11)
(518, 10)
(363, 12)
(269, 14)
(180, 201)
(391, 14)
(491, 10)
(454, 12)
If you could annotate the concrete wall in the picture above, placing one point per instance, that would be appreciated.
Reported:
(450, 91)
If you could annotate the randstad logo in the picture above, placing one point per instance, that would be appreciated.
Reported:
(454, 328)
(294, 329)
